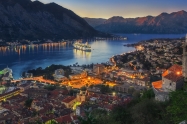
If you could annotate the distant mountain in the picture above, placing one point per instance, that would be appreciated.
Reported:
(175, 22)
(94, 21)
(24, 19)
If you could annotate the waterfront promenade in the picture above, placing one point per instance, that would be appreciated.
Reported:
(40, 79)
(72, 83)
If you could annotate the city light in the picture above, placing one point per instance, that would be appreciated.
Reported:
(178, 73)
(114, 94)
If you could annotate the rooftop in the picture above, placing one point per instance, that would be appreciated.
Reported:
(174, 77)
(175, 68)
(64, 119)
(69, 99)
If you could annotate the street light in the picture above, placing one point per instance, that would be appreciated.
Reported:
(113, 93)
(178, 73)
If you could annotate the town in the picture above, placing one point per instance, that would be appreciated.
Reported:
(64, 94)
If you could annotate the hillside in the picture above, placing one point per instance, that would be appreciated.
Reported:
(175, 22)
(24, 19)
(94, 21)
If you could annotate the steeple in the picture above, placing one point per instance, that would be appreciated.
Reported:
(184, 63)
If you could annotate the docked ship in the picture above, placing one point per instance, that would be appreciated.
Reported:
(82, 46)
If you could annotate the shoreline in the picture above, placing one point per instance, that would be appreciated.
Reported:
(121, 52)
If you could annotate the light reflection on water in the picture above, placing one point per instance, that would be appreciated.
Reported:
(22, 58)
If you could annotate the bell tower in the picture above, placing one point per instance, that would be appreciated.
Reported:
(184, 63)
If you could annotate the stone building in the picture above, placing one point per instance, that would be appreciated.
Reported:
(59, 75)
(172, 79)
(98, 68)
(78, 75)
(184, 68)
(69, 101)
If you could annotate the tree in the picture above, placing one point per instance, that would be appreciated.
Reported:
(88, 119)
(104, 89)
(103, 117)
(177, 110)
(28, 103)
(148, 94)
(147, 111)
(121, 115)
(83, 88)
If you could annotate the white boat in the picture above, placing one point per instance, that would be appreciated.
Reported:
(82, 46)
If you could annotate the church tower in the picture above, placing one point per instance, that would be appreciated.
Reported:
(184, 63)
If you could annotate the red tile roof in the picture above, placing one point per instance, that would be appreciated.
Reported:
(173, 77)
(45, 118)
(64, 119)
(175, 68)
(55, 93)
(165, 73)
(157, 84)
(74, 117)
(174, 73)
(69, 99)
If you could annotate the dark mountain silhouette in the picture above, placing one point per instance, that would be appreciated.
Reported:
(175, 22)
(24, 19)
(94, 21)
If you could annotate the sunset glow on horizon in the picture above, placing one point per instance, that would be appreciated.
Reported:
(125, 8)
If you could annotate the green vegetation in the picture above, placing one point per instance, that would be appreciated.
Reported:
(177, 109)
(50, 87)
(28, 103)
(48, 72)
(145, 110)
(3, 72)
(88, 119)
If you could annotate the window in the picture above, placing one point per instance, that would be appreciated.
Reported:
(186, 49)
(170, 84)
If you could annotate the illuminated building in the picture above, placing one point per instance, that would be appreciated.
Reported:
(172, 79)
(10, 94)
(7, 72)
(28, 75)
(73, 102)
(59, 75)
(69, 101)
(59, 72)
(78, 75)
(98, 68)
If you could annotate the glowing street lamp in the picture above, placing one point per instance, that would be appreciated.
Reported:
(178, 73)
(114, 94)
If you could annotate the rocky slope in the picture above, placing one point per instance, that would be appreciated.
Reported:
(175, 22)
(24, 19)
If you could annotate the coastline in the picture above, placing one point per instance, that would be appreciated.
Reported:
(155, 53)
(65, 55)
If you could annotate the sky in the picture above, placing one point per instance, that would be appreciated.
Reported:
(124, 8)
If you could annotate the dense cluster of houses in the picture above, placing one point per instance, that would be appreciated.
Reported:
(57, 105)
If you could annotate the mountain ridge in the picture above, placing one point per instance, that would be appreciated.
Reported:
(94, 21)
(26, 19)
(175, 22)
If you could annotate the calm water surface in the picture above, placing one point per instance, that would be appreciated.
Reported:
(42, 56)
